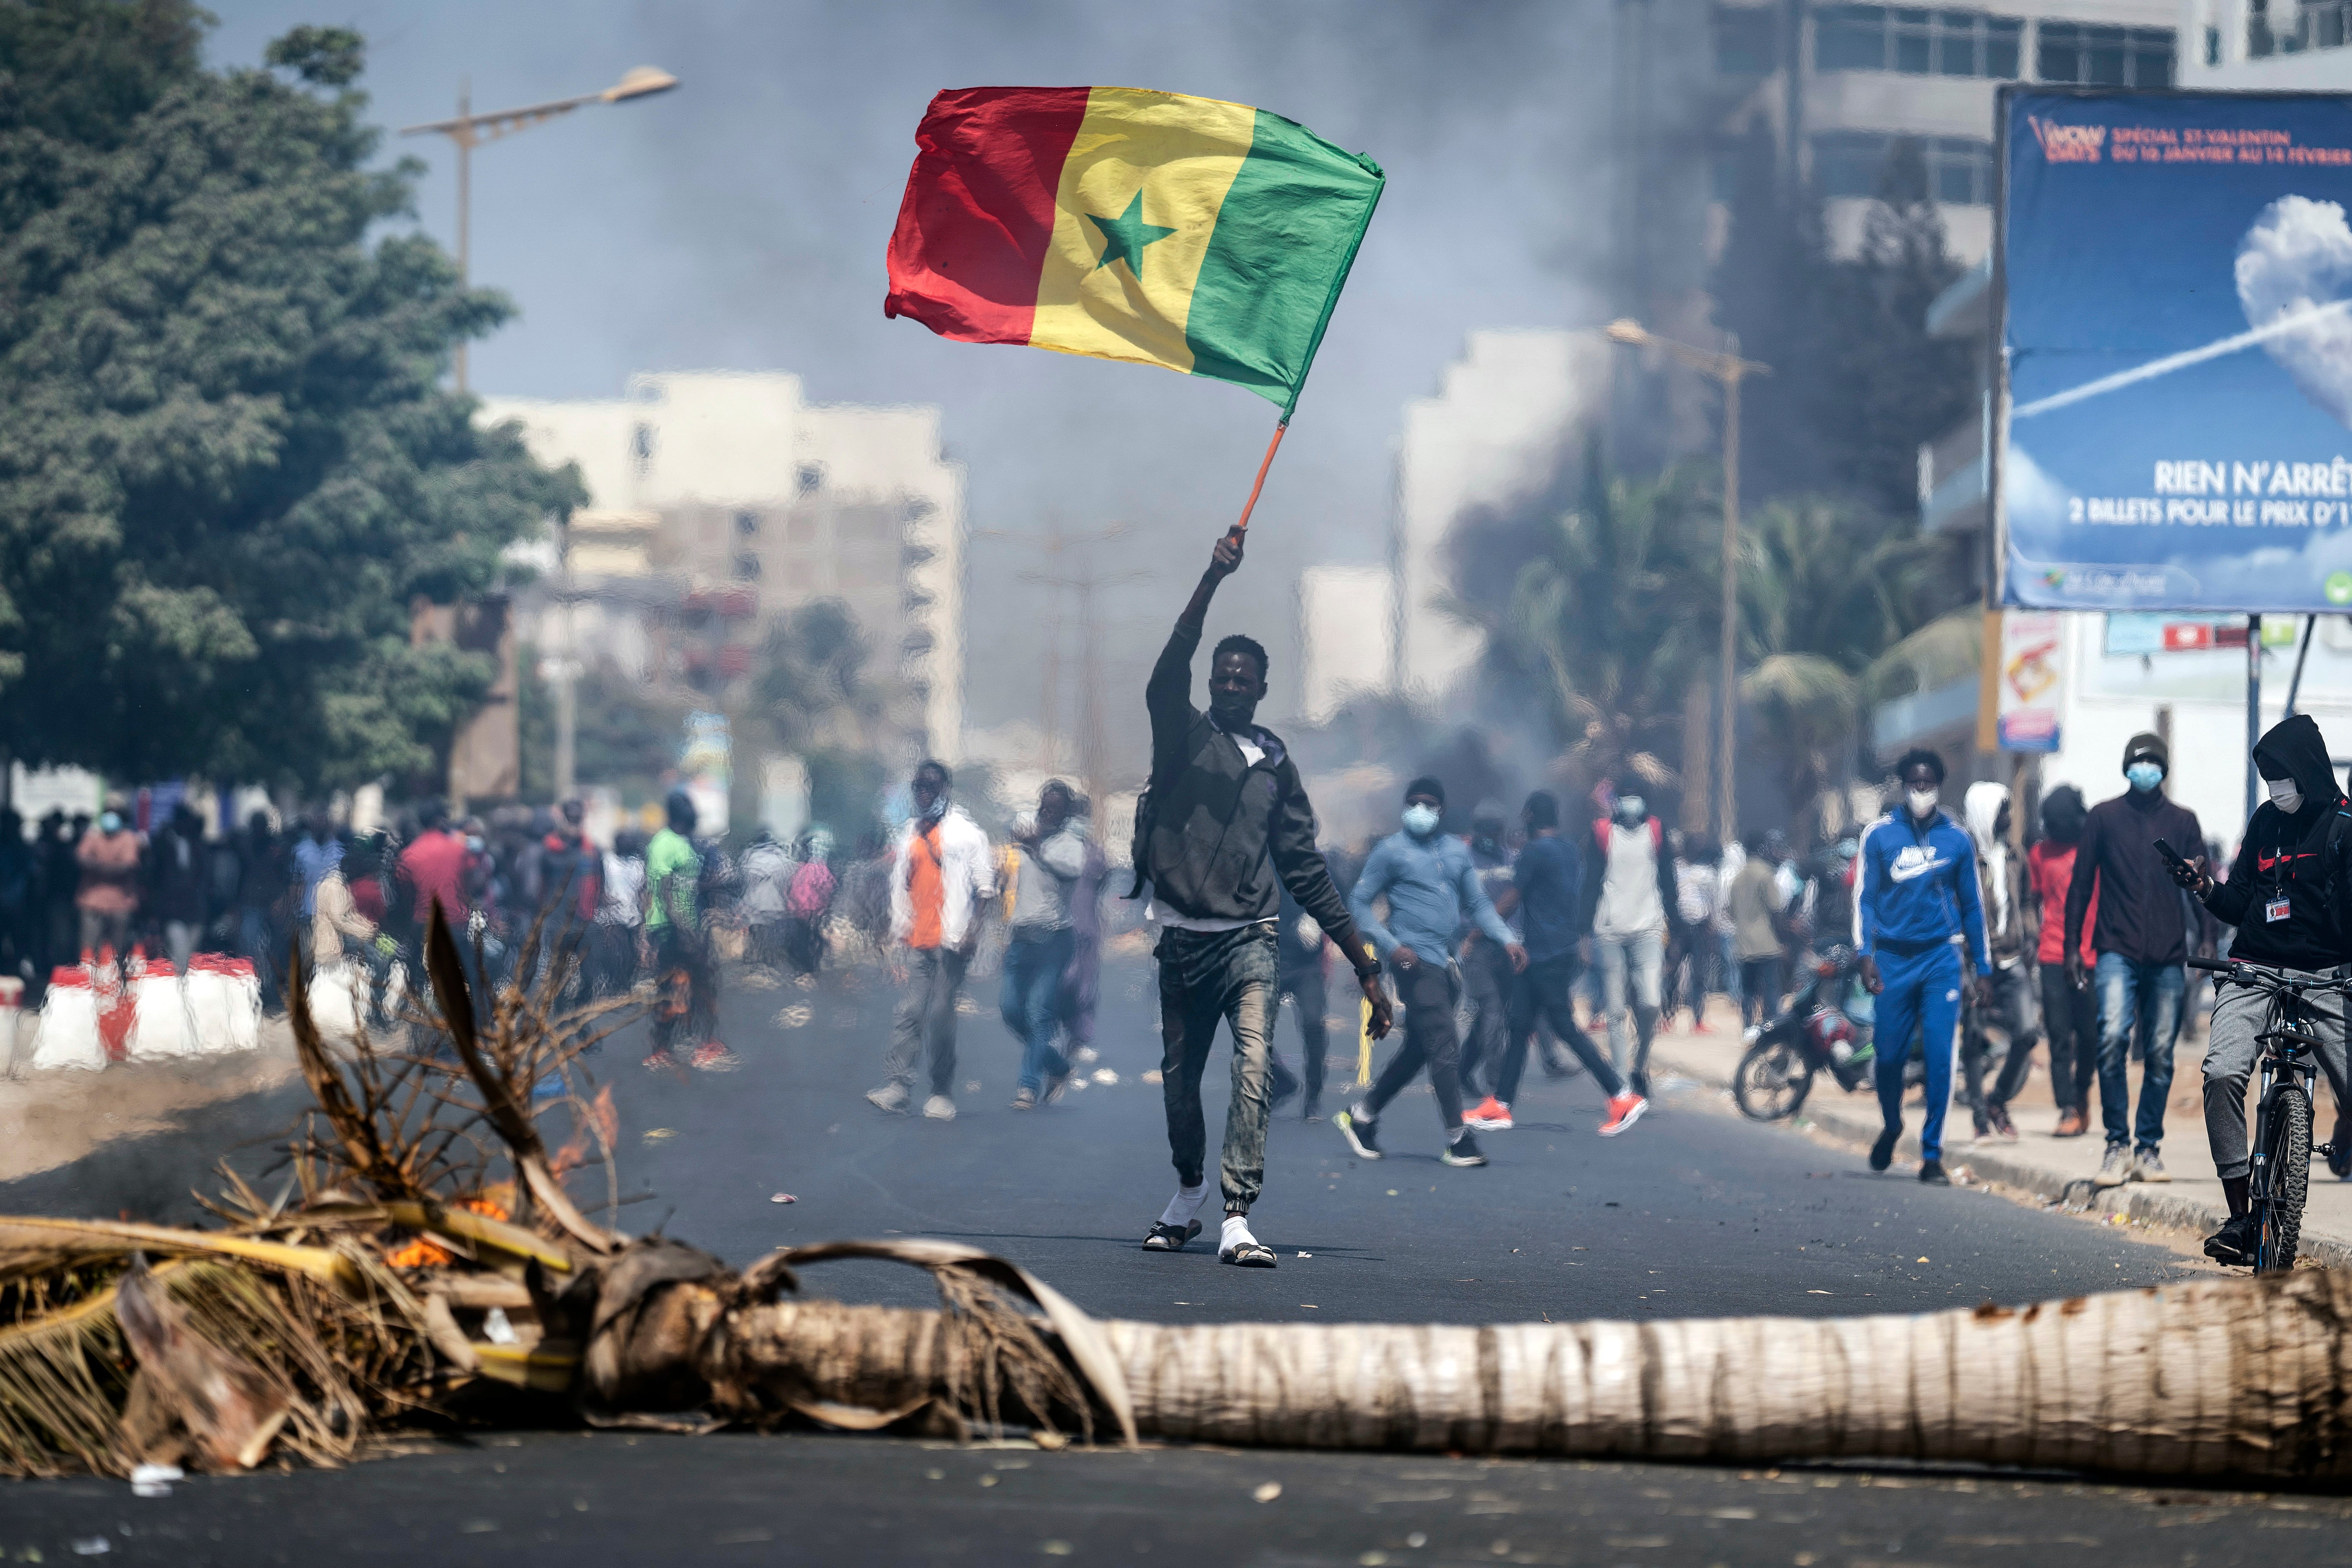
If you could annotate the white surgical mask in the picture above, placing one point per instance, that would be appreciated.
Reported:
(1421, 821)
(1922, 802)
(2284, 794)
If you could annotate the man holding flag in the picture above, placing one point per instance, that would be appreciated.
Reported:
(1212, 239)
(1224, 826)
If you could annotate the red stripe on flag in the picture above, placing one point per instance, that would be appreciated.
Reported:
(979, 209)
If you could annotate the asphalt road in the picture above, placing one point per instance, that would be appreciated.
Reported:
(1693, 1213)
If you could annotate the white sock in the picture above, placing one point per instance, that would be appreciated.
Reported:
(1236, 1233)
(1184, 1206)
(1455, 1134)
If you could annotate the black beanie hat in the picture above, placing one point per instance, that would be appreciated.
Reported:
(1428, 785)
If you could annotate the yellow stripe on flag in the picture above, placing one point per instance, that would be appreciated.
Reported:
(1118, 276)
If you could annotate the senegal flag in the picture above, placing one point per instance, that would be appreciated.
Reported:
(1209, 237)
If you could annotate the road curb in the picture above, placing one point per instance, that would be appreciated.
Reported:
(2001, 1164)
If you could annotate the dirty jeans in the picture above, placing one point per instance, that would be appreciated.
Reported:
(1643, 956)
(2145, 998)
(2239, 1014)
(1031, 1000)
(1429, 991)
(926, 1020)
(1206, 976)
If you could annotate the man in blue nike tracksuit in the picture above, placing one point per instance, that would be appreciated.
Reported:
(1915, 907)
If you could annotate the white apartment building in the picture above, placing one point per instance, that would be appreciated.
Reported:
(2274, 46)
(720, 499)
(1867, 75)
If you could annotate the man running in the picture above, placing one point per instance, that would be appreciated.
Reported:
(1629, 886)
(2285, 895)
(1225, 822)
(1052, 852)
(1431, 886)
(1486, 971)
(940, 875)
(1548, 877)
(1917, 905)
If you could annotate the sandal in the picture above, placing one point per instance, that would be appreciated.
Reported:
(1248, 1254)
(1165, 1237)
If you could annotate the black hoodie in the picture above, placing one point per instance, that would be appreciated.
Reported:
(2283, 854)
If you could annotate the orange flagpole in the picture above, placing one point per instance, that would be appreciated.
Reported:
(1251, 505)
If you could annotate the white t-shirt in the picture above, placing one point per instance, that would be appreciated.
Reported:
(1629, 886)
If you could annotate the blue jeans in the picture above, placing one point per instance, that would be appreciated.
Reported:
(2145, 996)
(1922, 991)
(1031, 1001)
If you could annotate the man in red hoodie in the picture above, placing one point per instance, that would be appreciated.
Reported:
(2070, 1013)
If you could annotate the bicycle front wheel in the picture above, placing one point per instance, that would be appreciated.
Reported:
(2288, 1146)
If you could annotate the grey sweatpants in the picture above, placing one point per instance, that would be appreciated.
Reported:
(2231, 1049)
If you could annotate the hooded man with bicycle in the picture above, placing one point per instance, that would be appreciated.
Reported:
(2286, 896)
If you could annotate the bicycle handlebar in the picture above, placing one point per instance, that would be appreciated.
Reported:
(2264, 978)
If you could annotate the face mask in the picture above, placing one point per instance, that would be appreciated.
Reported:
(2284, 794)
(474, 844)
(1629, 808)
(1421, 821)
(1923, 802)
(2145, 776)
(109, 823)
(937, 809)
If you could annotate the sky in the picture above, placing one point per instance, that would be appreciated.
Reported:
(740, 222)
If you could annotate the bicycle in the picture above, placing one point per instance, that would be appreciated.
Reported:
(2281, 1176)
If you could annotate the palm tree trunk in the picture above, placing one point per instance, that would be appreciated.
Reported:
(2249, 1378)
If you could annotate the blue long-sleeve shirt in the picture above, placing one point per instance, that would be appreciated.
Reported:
(1917, 888)
(1549, 876)
(1430, 884)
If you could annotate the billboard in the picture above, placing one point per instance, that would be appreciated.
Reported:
(2176, 272)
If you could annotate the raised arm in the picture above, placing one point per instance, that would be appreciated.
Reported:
(1168, 695)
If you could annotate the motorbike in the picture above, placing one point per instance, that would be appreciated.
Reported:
(1826, 1028)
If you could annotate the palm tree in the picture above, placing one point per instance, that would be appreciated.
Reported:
(1826, 588)
(1612, 618)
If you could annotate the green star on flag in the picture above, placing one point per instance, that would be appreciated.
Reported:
(1124, 237)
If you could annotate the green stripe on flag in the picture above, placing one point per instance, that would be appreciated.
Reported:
(1285, 238)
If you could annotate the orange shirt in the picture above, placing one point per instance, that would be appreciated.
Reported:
(925, 892)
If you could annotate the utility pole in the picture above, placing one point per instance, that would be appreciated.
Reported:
(1728, 369)
(1084, 585)
(1053, 544)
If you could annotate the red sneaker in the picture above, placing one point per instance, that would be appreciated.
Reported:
(1488, 1115)
(1623, 1112)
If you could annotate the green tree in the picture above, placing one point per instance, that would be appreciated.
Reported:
(1826, 586)
(1611, 617)
(230, 467)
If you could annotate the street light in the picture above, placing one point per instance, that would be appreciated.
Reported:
(1728, 369)
(470, 129)
(467, 130)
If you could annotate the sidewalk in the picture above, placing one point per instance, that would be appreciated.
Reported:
(2057, 1168)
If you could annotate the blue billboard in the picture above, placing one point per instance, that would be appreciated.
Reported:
(2176, 272)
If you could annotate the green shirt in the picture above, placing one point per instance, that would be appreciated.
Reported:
(672, 871)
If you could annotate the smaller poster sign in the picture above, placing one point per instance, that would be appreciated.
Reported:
(2032, 680)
